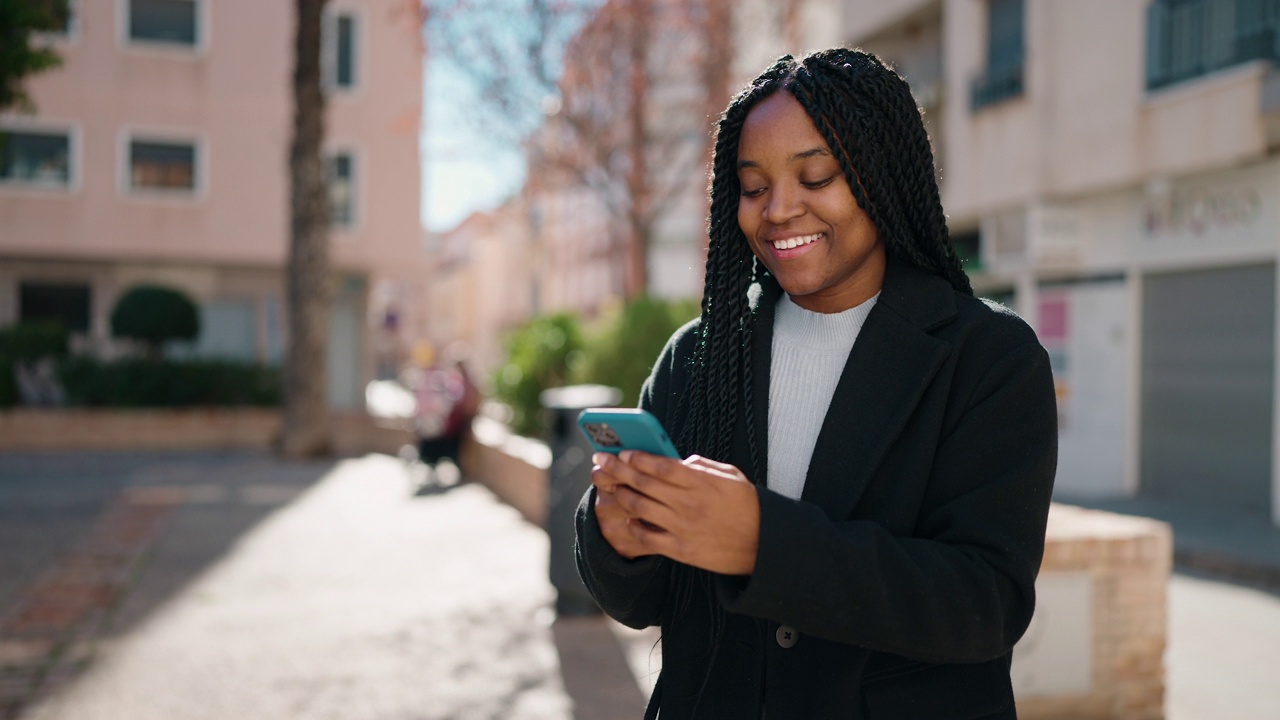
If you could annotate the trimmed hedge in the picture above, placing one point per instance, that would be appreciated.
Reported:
(154, 315)
(137, 382)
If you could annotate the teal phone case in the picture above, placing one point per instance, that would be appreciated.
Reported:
(613, 430)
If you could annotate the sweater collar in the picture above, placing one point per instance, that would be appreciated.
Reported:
(884, 378)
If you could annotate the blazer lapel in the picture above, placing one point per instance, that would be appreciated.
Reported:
(888, 370)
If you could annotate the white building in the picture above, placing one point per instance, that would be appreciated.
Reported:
(1110, 166)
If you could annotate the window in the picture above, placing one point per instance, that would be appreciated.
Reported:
(1002, 78)
(167, 166)
(1189, 38)
(163, 21)
(40, 158)
(968, 247)
(342, 190)
(65, 20)
(64, 303)
(340, 51)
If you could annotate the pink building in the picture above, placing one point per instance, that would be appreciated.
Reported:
(159, 153)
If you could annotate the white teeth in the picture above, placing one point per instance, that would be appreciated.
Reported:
(794, 242)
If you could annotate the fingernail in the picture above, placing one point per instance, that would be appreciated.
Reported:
(598, 458)
(626, 455)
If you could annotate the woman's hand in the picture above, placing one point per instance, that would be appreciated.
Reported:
(697, 511)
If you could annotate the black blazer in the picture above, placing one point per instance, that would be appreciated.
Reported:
(906, 572)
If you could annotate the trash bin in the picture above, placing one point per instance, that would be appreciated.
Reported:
(570, 476)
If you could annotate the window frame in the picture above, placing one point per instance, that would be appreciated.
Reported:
(200, 173)
(356, 164)
(125, 39)
(1214, 53)
(57, 281)
(48, 127)
(985, 89)
(329, 50)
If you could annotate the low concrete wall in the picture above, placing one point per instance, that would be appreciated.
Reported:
(513, 467)
(1095, 650)
(178, 429)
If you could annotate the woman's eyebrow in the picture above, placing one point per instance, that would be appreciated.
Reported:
(802, 155)
(811, 152)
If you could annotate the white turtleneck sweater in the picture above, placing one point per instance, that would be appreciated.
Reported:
(809, 353)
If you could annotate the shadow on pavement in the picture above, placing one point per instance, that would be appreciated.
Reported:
(595, 671)
(95, 542)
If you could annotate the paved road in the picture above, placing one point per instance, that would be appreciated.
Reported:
(347, 597)
(1224, 651)
(228, 586)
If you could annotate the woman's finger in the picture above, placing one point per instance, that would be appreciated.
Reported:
(643, 507)
(626, 473)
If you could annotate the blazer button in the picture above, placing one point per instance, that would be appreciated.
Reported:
(787, 636)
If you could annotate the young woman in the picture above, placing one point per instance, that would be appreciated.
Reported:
(857, 527)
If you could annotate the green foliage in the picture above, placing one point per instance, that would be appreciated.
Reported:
(622, 349)
(618, 350)
(30, 341)
(154, 315)
(137, 382)
(539, 356)
(18, 58)
(27, 342)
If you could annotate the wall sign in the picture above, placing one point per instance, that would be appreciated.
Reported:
(1201, 212)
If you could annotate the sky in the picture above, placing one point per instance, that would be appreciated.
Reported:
(462, 171)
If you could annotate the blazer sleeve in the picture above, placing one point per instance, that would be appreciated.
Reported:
(961, 587)
(633, 592)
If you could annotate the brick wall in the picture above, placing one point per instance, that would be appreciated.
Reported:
(178, 429)
(1125, 561)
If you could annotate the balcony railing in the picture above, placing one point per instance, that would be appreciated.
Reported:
(1190, 38)
(995, 85)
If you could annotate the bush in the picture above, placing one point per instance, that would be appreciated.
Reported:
(539, 356)
(155, 315)
(30, 341)
(625, 344)
(146, 383)
(26, 343)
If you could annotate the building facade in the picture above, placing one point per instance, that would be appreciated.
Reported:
(159, 154)
(1110, 168)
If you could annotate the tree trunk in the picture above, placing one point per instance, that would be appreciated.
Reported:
(718, 49)
(638, 166)
(305, 431)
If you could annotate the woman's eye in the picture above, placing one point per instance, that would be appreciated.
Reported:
(753, 192)
(814, 185)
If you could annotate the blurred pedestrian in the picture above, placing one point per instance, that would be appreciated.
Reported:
(447, 401)
(869, 450)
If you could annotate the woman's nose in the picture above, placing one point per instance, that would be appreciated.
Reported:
(783, 205)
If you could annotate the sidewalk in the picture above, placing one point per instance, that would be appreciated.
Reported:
(352, 598)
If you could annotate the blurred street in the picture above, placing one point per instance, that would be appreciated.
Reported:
(174, 586)
(255, 588)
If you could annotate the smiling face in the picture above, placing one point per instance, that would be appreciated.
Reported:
(798, 213)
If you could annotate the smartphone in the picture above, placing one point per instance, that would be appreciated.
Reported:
(613, 430)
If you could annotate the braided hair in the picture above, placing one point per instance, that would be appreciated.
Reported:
(869, 119)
